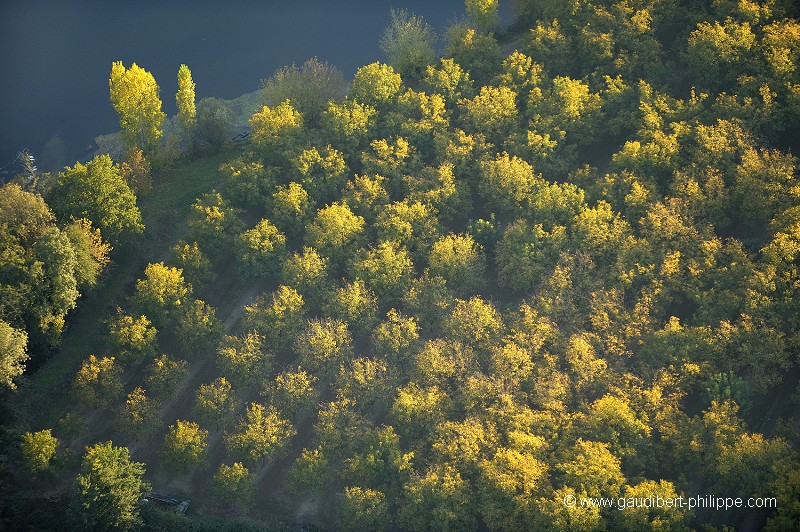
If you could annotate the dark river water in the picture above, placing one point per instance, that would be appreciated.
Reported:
(56, 55)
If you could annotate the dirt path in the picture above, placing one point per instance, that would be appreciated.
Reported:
(180, 406)
(238, 309)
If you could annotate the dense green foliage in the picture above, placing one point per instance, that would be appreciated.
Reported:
(461, 293)
(96, 191)
(13, 346)
(108, 490)
(44, 268)
(213, 122)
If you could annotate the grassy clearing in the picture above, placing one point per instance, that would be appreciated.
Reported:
(175, 189)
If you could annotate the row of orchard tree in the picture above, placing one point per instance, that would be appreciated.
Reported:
(490, 283)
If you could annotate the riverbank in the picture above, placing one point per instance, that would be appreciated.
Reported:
(242, 108)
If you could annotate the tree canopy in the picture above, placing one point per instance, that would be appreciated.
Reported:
(135, 97)
(108, 489)
(185, 101)
(558, 263)
(96, 191)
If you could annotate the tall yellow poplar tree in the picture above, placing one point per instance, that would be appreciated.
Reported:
(134, 94)
(184, 99)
